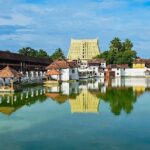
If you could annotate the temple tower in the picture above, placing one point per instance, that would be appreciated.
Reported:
(85, 102)
(84, 49)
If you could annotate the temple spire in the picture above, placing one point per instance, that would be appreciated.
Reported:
(84, 49)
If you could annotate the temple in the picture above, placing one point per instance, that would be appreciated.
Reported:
(32, 68)
(85, 102)
(22, 63)
(84, 49)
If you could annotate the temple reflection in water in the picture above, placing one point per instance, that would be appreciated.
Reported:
(9, 103)
(84, 102)
(83, 97)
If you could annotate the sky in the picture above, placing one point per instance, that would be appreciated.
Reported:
(50, 24)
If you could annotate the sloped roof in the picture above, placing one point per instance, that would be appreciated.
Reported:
(8, 72)
(147, 71)
(97, 61)
(60, 98)
(62, 64)
(138, 60)
(73, 64)
(147, 63)
(7, 110)
(53, 72)
(117, 66)
(6, 55)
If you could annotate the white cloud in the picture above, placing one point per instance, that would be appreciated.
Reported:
(108, 4)
(51, 26)
(16, 19)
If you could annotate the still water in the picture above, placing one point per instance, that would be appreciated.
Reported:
(91, 114)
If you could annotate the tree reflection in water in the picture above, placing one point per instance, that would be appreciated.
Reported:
(119, 99)
(83, 97)
(10, 102)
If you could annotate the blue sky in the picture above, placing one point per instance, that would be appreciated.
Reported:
(50, 24)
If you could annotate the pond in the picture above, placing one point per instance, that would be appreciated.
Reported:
(90, 114)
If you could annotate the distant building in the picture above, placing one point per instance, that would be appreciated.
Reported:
(92, 68)
(140, 69)
(147, 63)
(22, 63)
(31, 67)
(115, 70)
(138, 63)
(141, 63)
(68, 70)
(85, 102)
(83, 49)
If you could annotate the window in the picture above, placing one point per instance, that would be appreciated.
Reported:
(118, 74)
(73, 71)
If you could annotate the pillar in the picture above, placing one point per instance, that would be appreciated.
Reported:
(12, 84)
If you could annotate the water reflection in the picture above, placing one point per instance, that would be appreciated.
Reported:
(86, 101)
(9, 103)
(83, 97)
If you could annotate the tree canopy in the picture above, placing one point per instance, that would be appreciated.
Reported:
(119, 99)
(28, 51)
(119, 52)
(58, 54)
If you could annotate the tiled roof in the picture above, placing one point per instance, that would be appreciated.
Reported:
(97, 61)
(62, 64)
(146, 60)
(60, 98)
(147, 63)
(8, 72)
(6, 55)
(73, 64)
(138, 60)
(53, 72)
(117, 66)
(147, 71)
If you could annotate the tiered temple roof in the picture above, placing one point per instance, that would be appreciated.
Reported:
(22, 62)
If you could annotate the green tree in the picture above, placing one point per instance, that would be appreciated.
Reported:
(119, 99)
(42, 53)
(58, 54)
(127, 45)
(119, 52)
(115, 44)
(28, 51)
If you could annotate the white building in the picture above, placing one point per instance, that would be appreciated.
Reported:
(124, 71)
(131, 82)
(68, 70)
(92, 68)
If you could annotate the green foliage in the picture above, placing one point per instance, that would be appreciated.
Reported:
(28, 51)
(127, 45)
(58, 54)
(115, 44)
(119, 99)
(119, 52)
(42, 53)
